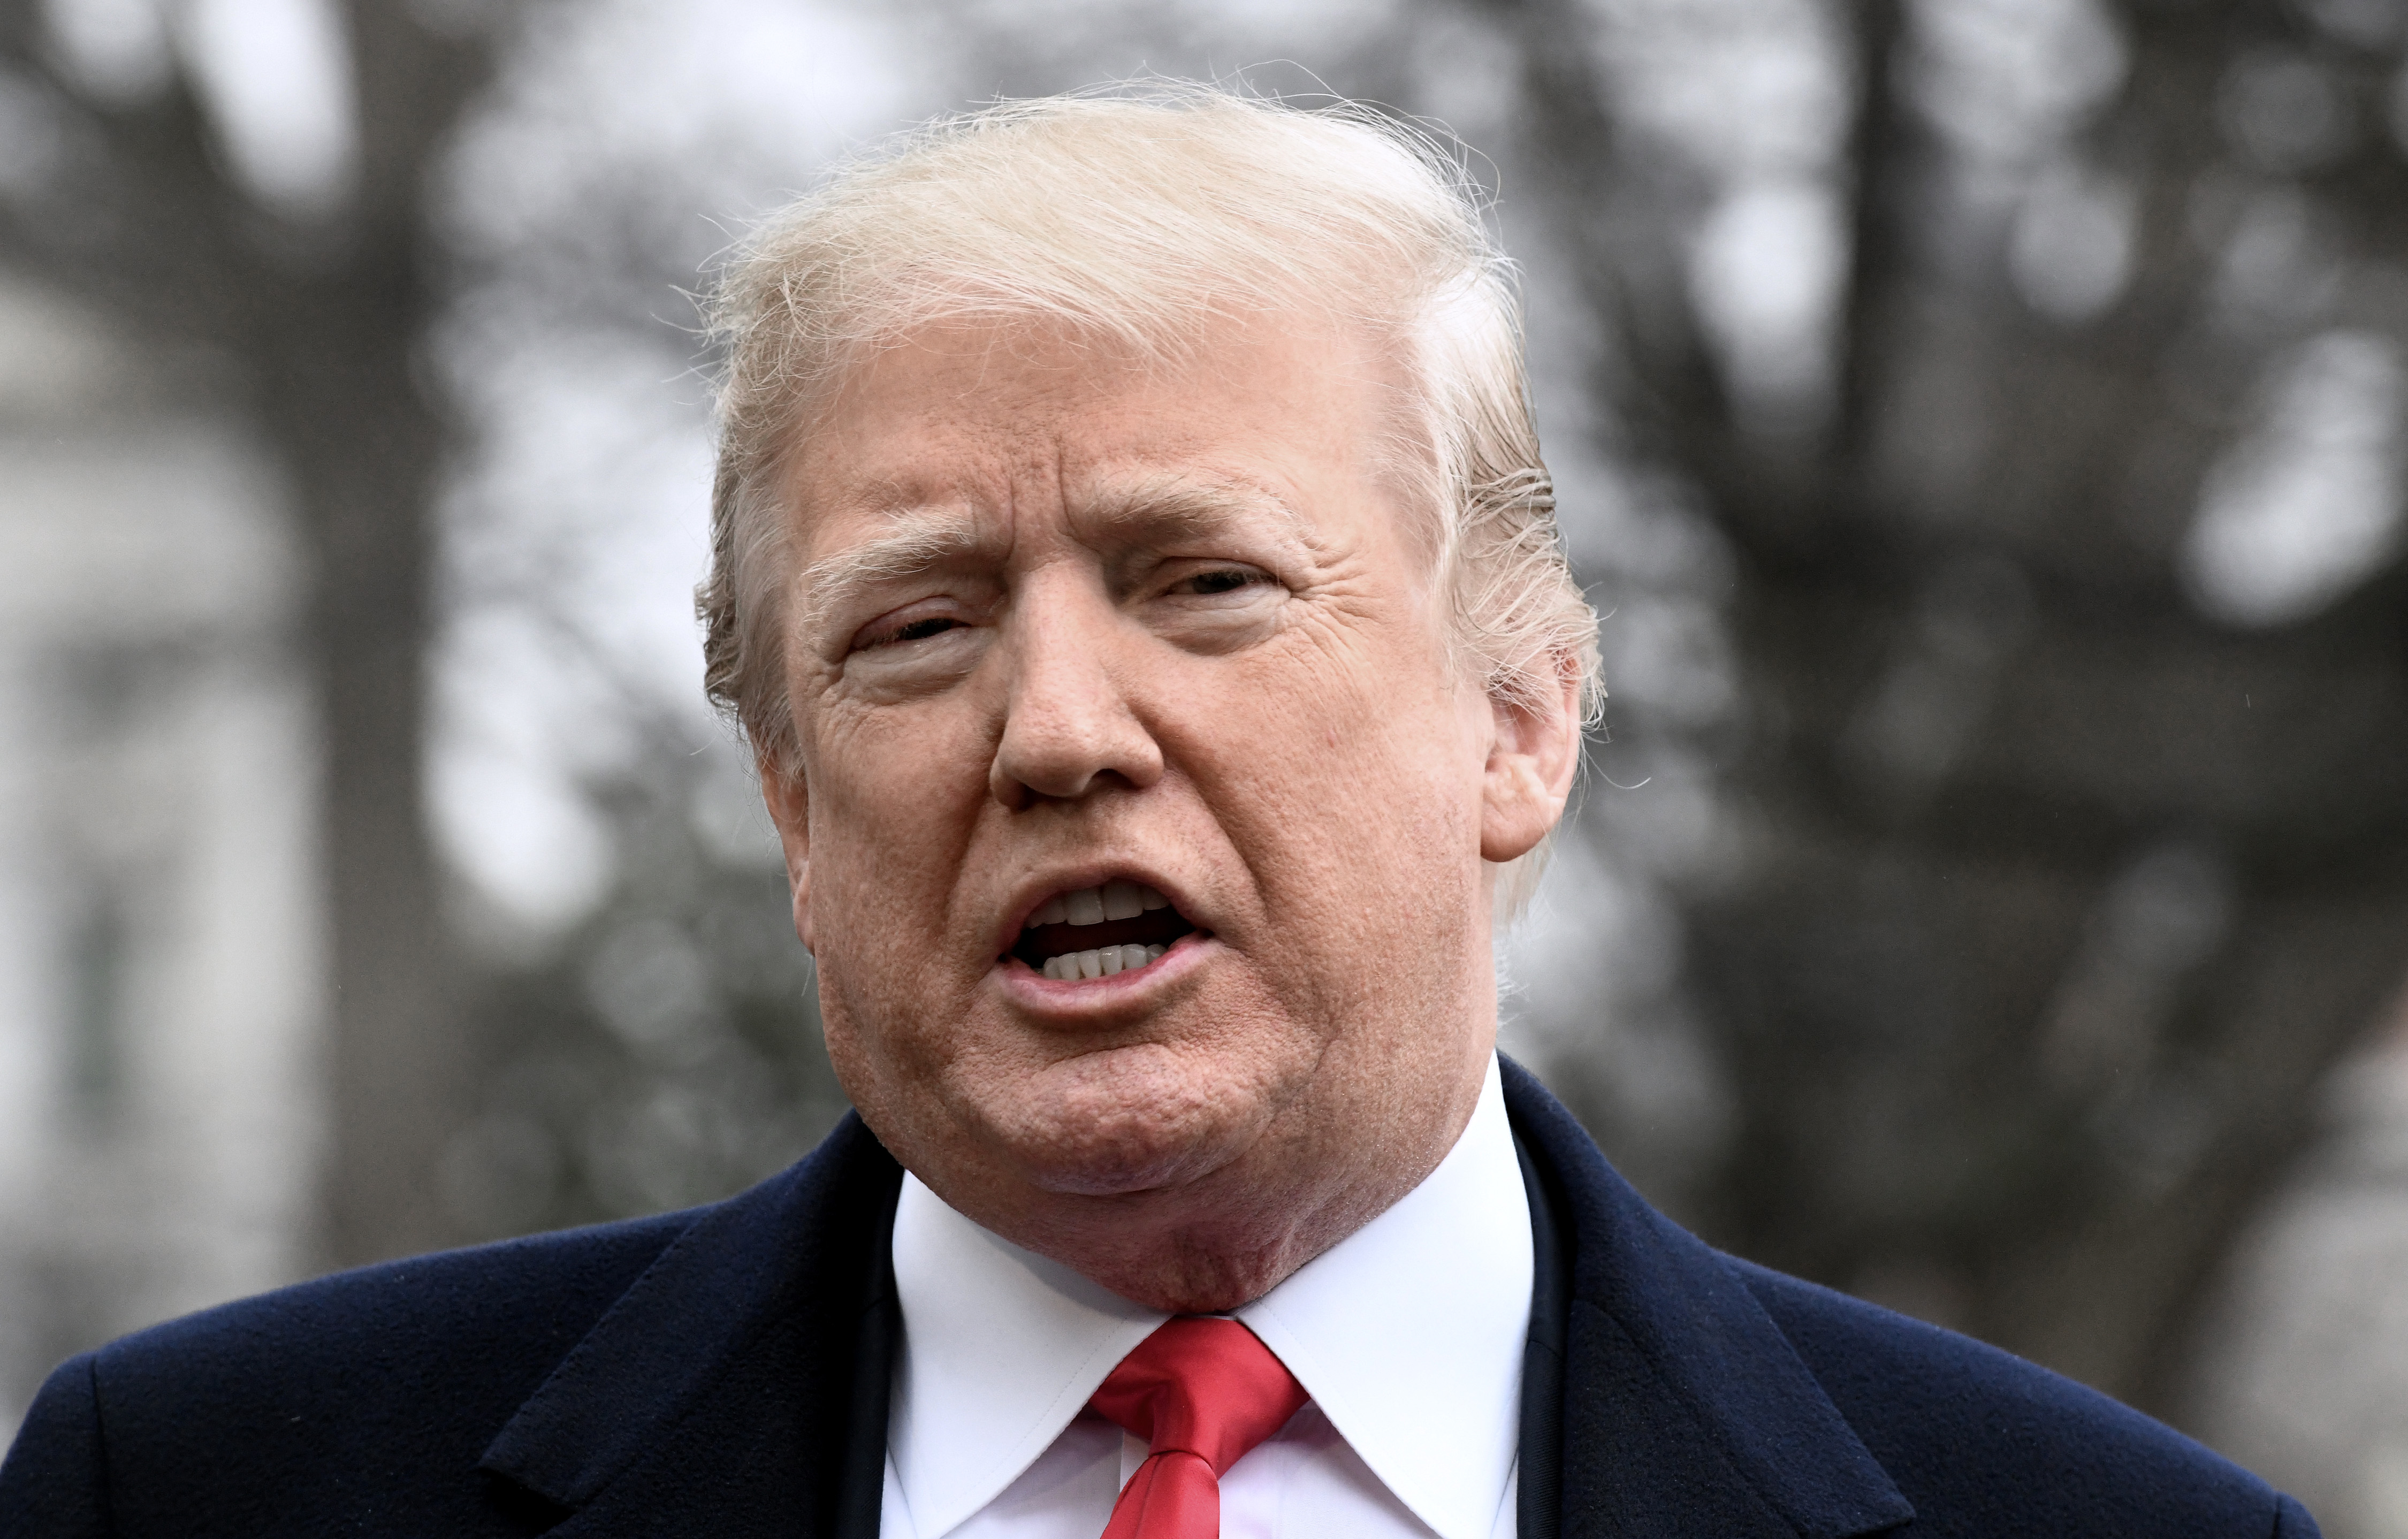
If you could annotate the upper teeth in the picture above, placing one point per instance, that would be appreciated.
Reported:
(1094, 905)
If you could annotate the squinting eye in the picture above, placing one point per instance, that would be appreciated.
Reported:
(1227, 580)
(916, 630)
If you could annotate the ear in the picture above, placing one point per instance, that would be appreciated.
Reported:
(788, 799)
(1531, 760)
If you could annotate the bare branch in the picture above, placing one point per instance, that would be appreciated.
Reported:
(1878, 154)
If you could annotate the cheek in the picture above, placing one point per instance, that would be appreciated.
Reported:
(1346, 783)
(888, 780)
(878, 1011)
(895, 795)
(1381, 729)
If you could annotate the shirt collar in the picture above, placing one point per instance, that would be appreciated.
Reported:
(1002, 1347)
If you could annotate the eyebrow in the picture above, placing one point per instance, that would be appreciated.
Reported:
(920, 539)
(1172, 504)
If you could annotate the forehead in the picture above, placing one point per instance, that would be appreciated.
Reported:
(1000, 424)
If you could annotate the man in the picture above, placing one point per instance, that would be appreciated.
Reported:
(1135, 574)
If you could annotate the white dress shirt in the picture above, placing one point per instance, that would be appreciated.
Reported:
(1407, 1335)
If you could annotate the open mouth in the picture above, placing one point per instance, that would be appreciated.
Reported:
(1096, 932)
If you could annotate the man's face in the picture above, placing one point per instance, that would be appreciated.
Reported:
(1069, 634)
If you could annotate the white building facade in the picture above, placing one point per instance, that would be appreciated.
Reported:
(159, 927)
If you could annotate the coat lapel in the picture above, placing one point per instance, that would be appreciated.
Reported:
(739, 1387)
(1684, 1410)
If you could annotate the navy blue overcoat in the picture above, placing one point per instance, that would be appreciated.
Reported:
(723, 1372)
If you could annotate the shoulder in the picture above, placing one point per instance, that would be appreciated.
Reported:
(353, 1378)
(516, 1303)
(1973, 1435)
(382, 1398)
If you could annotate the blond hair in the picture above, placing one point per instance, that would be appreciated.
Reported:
(1141, 216)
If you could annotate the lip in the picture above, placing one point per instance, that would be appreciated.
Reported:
(1032, 893)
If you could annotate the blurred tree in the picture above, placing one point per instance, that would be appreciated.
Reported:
(665, 1051)
(2065, 820)
(147, 186)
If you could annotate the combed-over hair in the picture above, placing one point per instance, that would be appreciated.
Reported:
(1140, 217)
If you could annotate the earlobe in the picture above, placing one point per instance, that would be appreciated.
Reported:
(788, 799)
(1531, 760)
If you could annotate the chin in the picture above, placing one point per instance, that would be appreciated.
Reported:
(1130, 1124)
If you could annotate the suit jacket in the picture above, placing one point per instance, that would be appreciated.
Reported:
(723, 1372)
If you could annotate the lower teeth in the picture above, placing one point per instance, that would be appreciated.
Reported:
(1101, 963)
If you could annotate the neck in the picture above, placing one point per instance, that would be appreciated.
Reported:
(1214, 1245)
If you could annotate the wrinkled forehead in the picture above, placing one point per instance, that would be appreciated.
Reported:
(955, 433)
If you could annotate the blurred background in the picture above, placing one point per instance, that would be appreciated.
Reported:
(1980, 422)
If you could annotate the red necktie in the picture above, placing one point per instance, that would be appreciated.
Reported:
(1201, 1392)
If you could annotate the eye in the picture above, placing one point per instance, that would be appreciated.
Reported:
(1220, 580)
(910, 631)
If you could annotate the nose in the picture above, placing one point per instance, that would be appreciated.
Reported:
(1068, 724)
